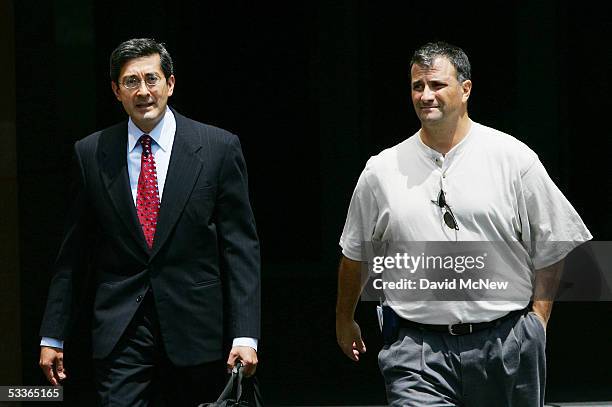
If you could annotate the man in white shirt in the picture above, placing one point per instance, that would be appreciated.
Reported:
(456, 181)
(161, 217)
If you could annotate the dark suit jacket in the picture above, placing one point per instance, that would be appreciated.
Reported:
(204, 267)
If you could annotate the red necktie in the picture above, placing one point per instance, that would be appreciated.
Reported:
(147, 200)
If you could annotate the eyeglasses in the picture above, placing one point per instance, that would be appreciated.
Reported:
(133, 82)
(449, 217)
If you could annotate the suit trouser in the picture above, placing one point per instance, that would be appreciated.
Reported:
(138, 372)
(500, 366)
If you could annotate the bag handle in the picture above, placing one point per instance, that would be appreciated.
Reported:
(233, 389)
(238, 382)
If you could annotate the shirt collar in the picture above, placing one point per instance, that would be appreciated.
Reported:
(456, 150)
(162, 133)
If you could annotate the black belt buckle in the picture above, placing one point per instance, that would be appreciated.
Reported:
(457, 329)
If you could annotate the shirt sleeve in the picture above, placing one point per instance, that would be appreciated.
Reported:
(360, 221)
(52, 342)
(246, 341)
(555, 228)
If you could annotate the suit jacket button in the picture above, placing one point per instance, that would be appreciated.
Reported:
(139, 298)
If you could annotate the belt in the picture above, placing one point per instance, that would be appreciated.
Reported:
(462, 328)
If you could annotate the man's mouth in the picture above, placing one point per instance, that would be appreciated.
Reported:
(144, 105)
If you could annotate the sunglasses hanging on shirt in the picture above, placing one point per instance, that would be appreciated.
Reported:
(449, 217)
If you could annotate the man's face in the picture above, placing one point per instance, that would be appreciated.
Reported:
(145, 104)
(437, 95)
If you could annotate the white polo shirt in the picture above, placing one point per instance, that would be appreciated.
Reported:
(498, 191)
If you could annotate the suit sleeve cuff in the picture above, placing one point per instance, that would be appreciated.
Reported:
(245, 341)
(54, 343)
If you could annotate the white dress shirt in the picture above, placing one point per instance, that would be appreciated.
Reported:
(163, 137)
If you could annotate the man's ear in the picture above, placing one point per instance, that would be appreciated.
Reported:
(467, 89)
(115, 88)
(171, 81)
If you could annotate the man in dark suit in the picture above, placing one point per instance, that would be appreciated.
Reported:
(161, 217)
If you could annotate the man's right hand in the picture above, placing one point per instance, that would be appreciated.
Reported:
(348, 335)
(52, 364)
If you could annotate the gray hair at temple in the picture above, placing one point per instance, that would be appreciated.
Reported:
(427, 54)
(138, 48)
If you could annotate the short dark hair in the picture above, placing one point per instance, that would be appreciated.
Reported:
(427, 54)
(137, 48)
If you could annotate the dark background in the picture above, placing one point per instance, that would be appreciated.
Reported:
(313, 89)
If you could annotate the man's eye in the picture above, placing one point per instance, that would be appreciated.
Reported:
(131, 81)
(152, 79)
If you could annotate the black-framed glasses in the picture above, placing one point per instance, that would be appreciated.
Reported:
(133, 82)
(449, 217)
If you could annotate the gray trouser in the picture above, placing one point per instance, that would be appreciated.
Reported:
(500, 366)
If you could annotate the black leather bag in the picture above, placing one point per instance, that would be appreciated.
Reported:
(239, 391)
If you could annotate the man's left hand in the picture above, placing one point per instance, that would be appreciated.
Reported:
(246, 355)
(543, 319)
(544, 290)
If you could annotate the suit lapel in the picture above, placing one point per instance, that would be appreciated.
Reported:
(183, 171)
(116, 179)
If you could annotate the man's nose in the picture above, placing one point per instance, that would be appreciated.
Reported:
(143, 89)
(428, 94)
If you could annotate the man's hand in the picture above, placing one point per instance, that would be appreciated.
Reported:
(246, 355)
(350, 285)
(542, 318)
(52, 364)
(545, 288)
(348, 335)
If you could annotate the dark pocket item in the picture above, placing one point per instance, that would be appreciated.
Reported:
(239, 391)
(390, 328)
